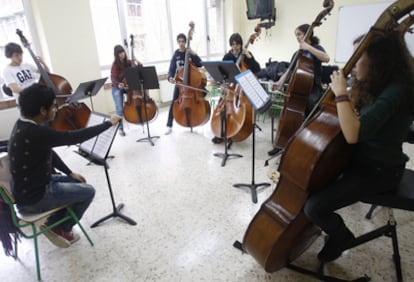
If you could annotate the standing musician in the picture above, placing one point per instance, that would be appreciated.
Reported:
(236, 44)
(313, 50)
(32, 159)
(375, 116)
(119, 87)
(176, 63)
(18, 75)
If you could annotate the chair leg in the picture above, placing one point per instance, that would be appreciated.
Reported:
(371, 210)
(36, 252)
(396, 255)
(75, 218)
(15, 254)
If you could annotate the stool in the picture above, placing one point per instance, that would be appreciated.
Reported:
(402, 198)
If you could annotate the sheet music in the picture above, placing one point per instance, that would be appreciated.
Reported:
(100, 145)
(104, 142)
(87, 146)
(253, 89)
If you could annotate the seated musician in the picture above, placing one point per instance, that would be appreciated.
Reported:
(32, 159)
(18, 75)
(375, 116)
(311, 49)
(237, 50)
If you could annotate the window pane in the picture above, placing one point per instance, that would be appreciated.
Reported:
(194, 11)
(152, 39)
(107, 30)
(11, 17)
(216, 30)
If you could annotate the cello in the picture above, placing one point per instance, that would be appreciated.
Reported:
(139, 107)
(69, 116)
(190, 109)
(239, 112)
(301, 78)
(280, 231)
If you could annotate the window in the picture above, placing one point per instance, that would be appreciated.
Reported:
(134, 8)
(12, 16)
(155, 25)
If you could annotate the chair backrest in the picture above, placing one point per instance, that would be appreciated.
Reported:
(5, 175)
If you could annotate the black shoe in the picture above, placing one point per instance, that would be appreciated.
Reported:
(273, 152)
(335, 245)
(217, 140)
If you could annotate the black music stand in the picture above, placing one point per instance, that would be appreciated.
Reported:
(87, 89)
(223, 72)
(261, 103)
(143, 78)
(96, 150)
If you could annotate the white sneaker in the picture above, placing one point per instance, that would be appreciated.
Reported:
(169, 130)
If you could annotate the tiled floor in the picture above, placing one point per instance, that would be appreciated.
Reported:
(188, 216)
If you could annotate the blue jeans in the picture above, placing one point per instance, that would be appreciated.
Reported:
(63, 190)
(118, 96)
(170, 112)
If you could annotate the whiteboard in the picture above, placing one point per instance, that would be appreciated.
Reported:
(354, 20)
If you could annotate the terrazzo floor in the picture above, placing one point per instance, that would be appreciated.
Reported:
(188, 216)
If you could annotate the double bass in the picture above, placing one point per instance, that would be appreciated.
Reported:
(280, 231)
(301, 78)
(239, 111)
(69, 116)
(190, 109)
(139, 107)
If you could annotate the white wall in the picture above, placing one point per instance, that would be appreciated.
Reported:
(68, 41)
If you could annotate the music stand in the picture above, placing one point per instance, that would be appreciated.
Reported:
(143, 78)
(261, 102)
(96, 150)
(223, 72)
(87, 89)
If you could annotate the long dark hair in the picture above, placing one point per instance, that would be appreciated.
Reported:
(120, 63)
(390, 62)
(304, 28)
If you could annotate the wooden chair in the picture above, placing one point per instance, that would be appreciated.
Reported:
(28, 223)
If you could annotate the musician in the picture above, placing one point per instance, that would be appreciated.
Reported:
(316, 52)
(177, 63)
(375, 115)
(119, 86)
(18, 75)
(32, 159)
(237, 50)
